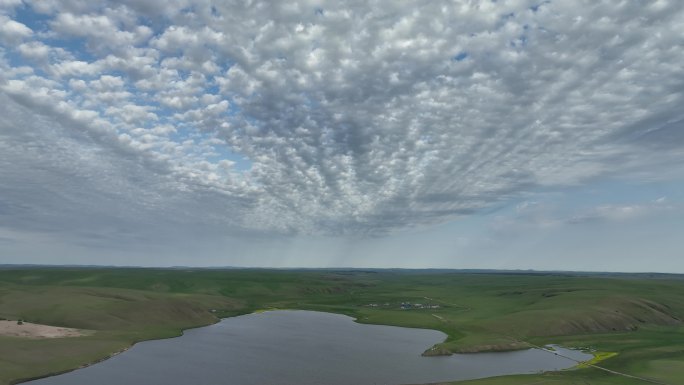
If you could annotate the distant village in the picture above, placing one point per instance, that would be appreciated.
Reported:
(404, 305)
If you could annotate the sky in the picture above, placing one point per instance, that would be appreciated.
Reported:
(514, 134)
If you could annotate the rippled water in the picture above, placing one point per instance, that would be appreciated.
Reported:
(291, 347)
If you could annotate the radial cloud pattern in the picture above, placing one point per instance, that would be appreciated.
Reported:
(313, 117)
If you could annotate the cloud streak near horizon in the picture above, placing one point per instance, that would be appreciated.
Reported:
(125, 119)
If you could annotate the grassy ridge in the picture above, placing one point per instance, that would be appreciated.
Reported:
(638, 318)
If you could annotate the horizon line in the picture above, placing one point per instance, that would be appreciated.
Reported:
(338, 268)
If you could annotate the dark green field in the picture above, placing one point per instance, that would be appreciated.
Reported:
(638, 317)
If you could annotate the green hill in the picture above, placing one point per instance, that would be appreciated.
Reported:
(637, 317)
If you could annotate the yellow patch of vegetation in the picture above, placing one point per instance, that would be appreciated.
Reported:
(598, 357)
(258, 311)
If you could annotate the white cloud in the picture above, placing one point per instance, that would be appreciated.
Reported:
(354, 118)
(35, 50)
(619, 213)
(10, 3)
(74, 68)
(13, 32)
(104, 32)
(533, 217)
(132, 114)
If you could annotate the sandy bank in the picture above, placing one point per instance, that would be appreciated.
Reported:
(30, 330)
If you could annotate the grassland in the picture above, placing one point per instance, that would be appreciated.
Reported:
(636, 317)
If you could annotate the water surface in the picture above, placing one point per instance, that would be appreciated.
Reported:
(291, 347)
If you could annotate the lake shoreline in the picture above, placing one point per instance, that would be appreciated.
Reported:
(485, 348)
(114, 354)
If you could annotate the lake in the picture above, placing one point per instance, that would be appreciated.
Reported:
(293, 347)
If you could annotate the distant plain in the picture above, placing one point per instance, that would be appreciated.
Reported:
(635, 321)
